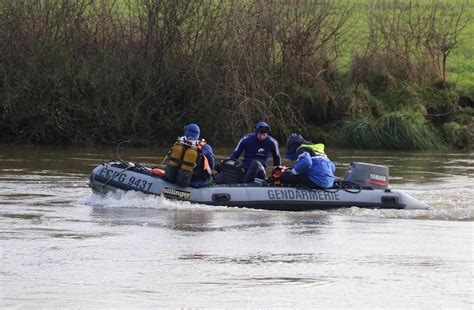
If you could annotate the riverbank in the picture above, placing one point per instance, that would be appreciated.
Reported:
(366, 75)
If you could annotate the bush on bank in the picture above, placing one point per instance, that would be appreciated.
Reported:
(98, 71)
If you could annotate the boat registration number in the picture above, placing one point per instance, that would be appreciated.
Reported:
(121, 177)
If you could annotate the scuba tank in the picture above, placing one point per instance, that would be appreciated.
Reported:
(174, 161)
(185, 172)
(182, 160)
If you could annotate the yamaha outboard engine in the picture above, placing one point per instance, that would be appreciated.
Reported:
(367, 175)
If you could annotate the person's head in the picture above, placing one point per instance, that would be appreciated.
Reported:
(192, 131)
(305, 149)
(262, 129)
(292, 144)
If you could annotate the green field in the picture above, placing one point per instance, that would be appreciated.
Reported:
(461, 63)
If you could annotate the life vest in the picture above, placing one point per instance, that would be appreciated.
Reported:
(203, 170)
(318, 148)
(186, 162)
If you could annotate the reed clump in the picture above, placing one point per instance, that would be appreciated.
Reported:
(399, 130)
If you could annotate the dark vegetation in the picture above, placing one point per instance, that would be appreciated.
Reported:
(102, 71)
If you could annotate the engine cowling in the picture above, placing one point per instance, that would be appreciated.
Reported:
(367, 175)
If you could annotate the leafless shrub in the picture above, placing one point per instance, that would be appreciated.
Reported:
(103, 70)
(409, 41)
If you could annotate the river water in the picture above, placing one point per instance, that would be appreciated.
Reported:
(61, 246)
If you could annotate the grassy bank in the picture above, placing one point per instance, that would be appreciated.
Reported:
(391, 74)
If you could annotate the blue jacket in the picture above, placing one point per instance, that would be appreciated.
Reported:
(257, 150)
(319, 169)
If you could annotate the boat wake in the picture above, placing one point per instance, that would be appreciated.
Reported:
(133, 199)
(441, 208)
(435, 213)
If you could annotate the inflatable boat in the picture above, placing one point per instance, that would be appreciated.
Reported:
(364, 186)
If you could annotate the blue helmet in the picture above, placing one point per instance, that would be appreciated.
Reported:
(262, 127)
(293, 144)
(192, 131)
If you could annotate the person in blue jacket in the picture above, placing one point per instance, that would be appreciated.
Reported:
(192, 133)
(257, 147)
(312, 169)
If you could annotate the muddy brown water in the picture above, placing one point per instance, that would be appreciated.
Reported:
(62, 246)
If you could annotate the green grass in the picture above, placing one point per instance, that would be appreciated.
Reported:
(396, 130)
(461, 62)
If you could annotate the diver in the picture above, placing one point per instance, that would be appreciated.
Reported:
(257, 147)
(190, 160)
(313, 168)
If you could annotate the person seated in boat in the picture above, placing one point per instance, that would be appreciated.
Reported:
(190, 160)
(257, 147)
(192, 133)
(312, 169)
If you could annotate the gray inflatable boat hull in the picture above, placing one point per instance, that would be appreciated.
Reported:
(112, 176)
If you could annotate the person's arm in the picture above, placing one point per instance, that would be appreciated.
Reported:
(276, 153)
(239, 149)
(303, 165)
(207, 151)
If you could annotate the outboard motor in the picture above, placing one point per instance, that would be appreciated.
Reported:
(367, 175)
